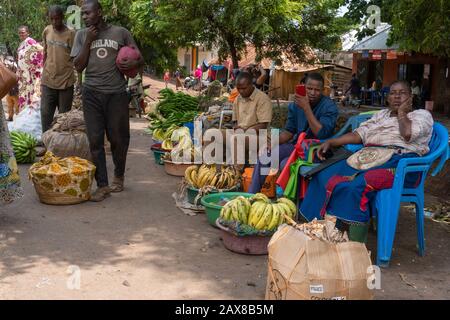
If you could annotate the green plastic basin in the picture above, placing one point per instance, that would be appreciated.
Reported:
(212, 208)
(193, 192)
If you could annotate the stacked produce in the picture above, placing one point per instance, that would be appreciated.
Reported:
(178, 144)
(165, 136)
(24, 145)
(177, 119)
(172, 102)
(208, 176)
(174, 109)
(259, 212)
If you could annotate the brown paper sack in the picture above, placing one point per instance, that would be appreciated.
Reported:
(302, 268)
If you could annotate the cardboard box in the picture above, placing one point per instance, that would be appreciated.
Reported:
(304, 268)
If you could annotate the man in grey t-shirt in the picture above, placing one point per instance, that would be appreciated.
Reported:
(105, 101)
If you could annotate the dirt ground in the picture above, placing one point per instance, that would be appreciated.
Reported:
(138, 245)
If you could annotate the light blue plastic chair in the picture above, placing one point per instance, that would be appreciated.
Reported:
(386, 206)
(354, 122)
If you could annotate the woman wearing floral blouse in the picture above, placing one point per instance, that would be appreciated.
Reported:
(30, 64)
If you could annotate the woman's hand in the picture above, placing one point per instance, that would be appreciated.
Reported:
(324, 148)
(406, 106)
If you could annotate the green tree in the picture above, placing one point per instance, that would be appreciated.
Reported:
(159, 53)
(32, 13)
(417, 25)
(272, 26)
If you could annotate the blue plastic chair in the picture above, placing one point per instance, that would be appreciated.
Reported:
(387, 202)
(353, 123)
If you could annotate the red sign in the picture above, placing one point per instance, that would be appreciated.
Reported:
(391, 55)
(376, 55)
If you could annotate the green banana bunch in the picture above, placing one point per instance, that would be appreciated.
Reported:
(258, 212)
(236, 210)
(23, 145)
(265, 215)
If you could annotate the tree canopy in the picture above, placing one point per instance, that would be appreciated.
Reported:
(274, 27)
(417, 25)
(32, 13)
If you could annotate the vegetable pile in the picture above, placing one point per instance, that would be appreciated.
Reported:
(174, 109)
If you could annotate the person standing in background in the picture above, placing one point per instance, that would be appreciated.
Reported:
(12, 98)
(415, 90)
(178, 79)
(105, 100)
(30, 61)
(58, 77)
(167, 78)
(198, 76)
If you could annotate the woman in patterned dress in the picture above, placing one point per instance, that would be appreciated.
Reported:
(30, 63)
(10, 188)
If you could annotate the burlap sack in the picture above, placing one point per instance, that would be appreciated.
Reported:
(67, 137)
(67, 144)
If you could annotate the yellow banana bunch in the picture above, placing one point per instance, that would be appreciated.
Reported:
(236, 210)
(258, 212)
(260, 197)
(167, 144)
(290, 207)
(209, 176)
(158, 134)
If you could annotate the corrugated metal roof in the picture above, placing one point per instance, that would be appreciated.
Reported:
(375, 42)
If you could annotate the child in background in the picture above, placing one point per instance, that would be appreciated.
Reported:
(167, 78)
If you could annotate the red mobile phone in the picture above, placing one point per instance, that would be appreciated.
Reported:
(300, 89)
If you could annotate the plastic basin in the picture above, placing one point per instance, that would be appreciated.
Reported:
(212, 208)
(193, 192)
(176, 169)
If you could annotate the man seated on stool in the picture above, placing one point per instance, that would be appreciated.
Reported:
(252, 111)
(314, 114)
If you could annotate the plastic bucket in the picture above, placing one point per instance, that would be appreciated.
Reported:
(356, 232)
(212, 206)
(158, 153)
(190, 125)
(159, 157)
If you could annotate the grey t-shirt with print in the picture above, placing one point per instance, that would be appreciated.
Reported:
(101, 73)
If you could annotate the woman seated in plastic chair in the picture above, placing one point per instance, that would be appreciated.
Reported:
(345, 192)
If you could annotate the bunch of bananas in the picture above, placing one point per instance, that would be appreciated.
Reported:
(24, 145)
(161, 134)
(167, 144)
(177, 139)
(259, 212)
(208, 176)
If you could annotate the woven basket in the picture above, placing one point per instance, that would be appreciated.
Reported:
(55, 198)
(62, 181)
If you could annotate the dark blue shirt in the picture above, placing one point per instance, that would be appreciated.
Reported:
(325, 112)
